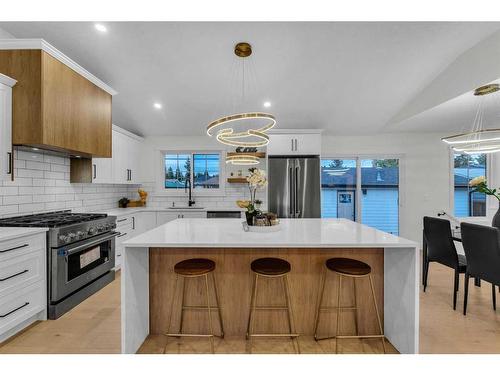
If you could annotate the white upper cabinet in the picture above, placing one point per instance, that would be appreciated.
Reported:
(123, 167)
(6, 162)
(290, 142)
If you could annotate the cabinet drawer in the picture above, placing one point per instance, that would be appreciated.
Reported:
(21, 271)
(21, 305)
(20, 246)
(125, 221)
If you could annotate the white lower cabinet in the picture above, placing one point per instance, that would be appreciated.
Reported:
(23, 285)
(130, 226)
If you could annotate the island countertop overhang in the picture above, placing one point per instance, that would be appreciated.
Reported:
(295, 233)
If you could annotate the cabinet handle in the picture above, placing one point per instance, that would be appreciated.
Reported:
(292, 144)
(118, 255)
(13, 311)
(133, 222)
(95, 171)
(130, 174)
(121, 235)
(14, 275)
(295, 144)
(9, 161)
(119, 221)
(14, 248)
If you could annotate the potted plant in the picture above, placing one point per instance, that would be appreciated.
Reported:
(479, 184)
(256, 180)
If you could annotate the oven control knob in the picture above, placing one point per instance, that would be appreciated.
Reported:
(100, 228)
(92, 230)
(80, 234)
(71, 236)
(63, 238)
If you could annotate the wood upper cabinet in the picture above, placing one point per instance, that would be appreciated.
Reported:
(56, 108)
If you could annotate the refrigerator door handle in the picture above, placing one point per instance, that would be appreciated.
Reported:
(296, 184)
(291, 191)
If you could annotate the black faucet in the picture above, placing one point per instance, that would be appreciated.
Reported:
(188, 182)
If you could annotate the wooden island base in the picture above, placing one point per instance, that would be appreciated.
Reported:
(235, 279)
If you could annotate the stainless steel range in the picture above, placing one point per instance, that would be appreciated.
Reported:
(80, 254)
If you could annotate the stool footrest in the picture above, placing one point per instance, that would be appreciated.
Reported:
(350, 337)
(328, 308)
(271, 308)
(187, 335)
(199, 308)
(274, 335)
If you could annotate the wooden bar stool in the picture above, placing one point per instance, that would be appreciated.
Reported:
(193, 268)
(346, 268)
(271, 268)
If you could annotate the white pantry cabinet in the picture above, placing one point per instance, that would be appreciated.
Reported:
(6, 162)
(23, 285)
(289, 142)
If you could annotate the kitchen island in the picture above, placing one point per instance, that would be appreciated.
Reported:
(148, 278)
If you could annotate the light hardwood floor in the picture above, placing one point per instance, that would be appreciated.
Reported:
(94, 327)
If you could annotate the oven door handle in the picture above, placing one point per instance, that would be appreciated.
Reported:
(91, 243)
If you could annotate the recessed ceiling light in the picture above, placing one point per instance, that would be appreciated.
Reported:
(157, 105)
(35, 149)
(267, 104)
(100, 27)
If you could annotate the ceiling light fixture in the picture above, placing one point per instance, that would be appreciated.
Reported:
(251, 126)
(100, 27)
(243, 159)
(157, 105)
(267, 104)
(478, 140)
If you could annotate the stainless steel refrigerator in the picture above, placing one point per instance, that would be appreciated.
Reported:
(294, 187)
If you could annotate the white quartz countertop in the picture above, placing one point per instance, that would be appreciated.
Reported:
(8, 233)
(294, 233)
(134, 210)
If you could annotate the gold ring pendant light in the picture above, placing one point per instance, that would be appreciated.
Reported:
(251, 137)
(478, 140)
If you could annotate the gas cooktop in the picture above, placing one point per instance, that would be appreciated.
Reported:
(50, 219)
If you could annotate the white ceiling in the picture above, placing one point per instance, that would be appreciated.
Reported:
(346, 78)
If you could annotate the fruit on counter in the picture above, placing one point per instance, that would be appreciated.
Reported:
(243, 203)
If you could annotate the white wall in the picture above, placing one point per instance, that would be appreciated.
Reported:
(425, 173)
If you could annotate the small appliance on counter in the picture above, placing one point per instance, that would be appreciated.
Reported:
(80, 255)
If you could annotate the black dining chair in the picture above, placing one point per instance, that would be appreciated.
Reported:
(482, 249)
(439, 247)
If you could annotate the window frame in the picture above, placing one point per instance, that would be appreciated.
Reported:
(160, 183)
(358, 197)
(451, 168)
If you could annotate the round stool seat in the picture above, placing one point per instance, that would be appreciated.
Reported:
(348, 266)
(194, 267)
(270, 266)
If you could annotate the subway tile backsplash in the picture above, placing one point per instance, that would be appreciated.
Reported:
(42, 184)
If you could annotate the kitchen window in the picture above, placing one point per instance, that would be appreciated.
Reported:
(467, 201)
(365, 190)
(201, 169)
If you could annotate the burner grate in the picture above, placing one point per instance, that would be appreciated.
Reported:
(50, 219)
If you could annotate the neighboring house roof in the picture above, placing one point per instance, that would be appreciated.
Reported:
(370, 176)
